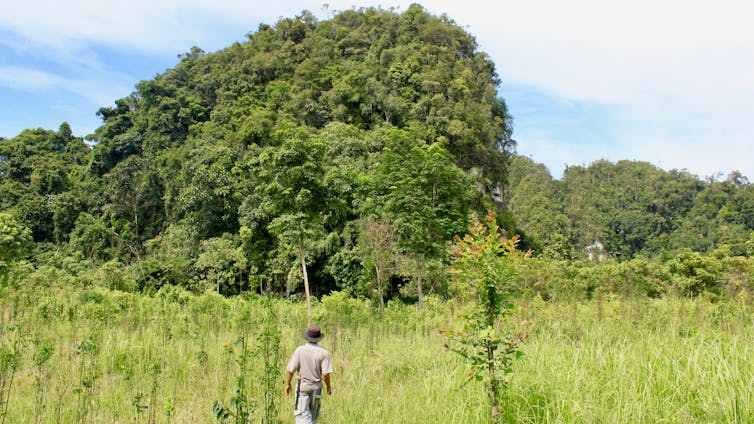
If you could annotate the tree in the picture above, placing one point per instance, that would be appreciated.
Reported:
(311, 100)
(94, 238)
(224, 258)
(483, 267)
(289, 194)
(378, 247)
(424, 195)
(533, 199)
(134, 196)
(15, 243)
(205, 191)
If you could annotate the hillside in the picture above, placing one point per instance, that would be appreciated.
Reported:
(232, 165)
(631, 209)
(334, 150)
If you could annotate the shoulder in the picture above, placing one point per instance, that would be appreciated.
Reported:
(313, 349)
(299, 350)
(316, 346)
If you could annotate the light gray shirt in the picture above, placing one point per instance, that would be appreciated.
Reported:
(311, 361)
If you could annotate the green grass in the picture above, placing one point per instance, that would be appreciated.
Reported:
(605, 361)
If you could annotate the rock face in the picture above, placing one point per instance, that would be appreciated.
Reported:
(596, 251)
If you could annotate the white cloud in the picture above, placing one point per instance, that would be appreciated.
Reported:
(101, 90)
(680, 73)
(159, 26)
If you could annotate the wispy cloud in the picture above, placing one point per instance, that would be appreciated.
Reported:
(671, 82)
(99, 90)
(677, 77)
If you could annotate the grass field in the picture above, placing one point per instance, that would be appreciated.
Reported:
(96, 356)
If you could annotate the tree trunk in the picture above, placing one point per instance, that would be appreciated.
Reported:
(493, 390)
(419, 272)
(380, 291)
(136, 225)
(306, 284)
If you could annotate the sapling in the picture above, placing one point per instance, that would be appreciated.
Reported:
(239, 409)
(87, 351)
(9, 362)
(482, 269)
(158, 366)
(43, 350)
(156, 372)
(138, 404)
(270, 350)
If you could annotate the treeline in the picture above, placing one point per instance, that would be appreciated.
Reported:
(350, 150)
(630, 209)
(686, 274)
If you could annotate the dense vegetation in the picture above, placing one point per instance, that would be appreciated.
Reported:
(356, 147)
(355, 152)
(71, 355)
(631, 209)
(233, 166)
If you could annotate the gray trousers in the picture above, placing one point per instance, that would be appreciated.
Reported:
(307, 407)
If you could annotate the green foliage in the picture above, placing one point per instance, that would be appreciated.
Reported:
(15, 241)
(239, 406)
(483, 268)
(270, 349)
(378, 242)
(631, 208)
(695, 274)
(263, 351)
(426, 195)
(224, 262)
(87, 351)
(10, 360)
(171, 259)
(423, 195)
(233, 167)
(35, 167)
(281, 136)
(43, 350)
(93, 238)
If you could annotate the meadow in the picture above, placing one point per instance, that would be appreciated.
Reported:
(102, 356)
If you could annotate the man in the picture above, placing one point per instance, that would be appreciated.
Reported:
(312, 363)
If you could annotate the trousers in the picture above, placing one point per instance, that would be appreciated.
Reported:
(307, 407)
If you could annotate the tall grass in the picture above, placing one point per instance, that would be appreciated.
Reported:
(637, 361)
(165, 359)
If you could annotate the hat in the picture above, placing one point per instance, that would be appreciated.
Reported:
(313, 334)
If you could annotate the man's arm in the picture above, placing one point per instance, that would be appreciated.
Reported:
(288, 383)
(326, 377)
(293, 366)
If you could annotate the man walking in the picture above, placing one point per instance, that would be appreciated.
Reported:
(312, 363)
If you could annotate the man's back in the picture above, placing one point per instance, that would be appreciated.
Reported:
(311, 361)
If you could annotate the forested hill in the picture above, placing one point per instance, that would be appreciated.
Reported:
(305, 139)
(361, 144)
(630, 208)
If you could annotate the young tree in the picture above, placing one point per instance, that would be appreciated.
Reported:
(425, 197)
(223, 257)
(290, 195)
(378, 245)
(482, 271)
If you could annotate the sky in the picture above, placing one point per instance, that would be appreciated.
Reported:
(664, 81)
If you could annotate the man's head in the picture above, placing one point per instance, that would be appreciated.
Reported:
(313, 334)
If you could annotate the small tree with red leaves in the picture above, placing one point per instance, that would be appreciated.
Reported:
(484, 266)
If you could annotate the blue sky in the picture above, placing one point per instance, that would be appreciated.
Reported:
(665, 81)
